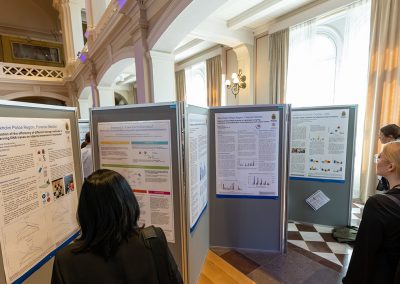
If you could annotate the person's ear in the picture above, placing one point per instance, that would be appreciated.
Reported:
(391, 167)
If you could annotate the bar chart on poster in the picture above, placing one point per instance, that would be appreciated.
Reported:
(318, 144)
(247, 154)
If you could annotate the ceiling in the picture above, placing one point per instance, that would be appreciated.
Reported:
(235, 22)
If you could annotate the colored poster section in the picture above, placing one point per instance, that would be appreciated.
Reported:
(198, 166)
(141, 152)
(37, 191)
(247, 151)
(318, 144)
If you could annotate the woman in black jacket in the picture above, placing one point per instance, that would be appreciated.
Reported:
(376, 251)
(110, 248)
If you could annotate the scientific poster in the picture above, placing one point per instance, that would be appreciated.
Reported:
(37, 191)
(198, 166)
(318, 144)
(247, 151)
(141, 152)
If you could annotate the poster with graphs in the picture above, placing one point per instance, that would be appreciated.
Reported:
(38, 200)
(141, 152)
(247, 151)
(198, 166)
(318, 144)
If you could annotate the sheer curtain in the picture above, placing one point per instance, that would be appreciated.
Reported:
(352, 74)
(342, 81)
(383, 101)
(300, 78)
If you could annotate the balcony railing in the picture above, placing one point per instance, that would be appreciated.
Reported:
(31, 72)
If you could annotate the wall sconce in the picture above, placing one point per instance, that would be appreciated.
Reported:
(238, 82)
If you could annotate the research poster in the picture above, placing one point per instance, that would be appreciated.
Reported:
(198, 166)
(247, 151)
(318, 144)
(38, 199)
(141, 152)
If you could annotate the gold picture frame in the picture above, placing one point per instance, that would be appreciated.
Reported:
(34, 52)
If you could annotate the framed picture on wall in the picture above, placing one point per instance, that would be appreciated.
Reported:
(33, 52)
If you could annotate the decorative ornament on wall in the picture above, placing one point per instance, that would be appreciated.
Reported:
(238, 82)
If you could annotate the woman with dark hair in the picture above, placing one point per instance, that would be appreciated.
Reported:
(387, 133)
(111, 248)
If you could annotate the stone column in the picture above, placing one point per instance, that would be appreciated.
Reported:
(93, 85)
(163, 76)
(106, 95)
(71, 24)
(143, 79)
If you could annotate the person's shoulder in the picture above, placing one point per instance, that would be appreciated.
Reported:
(381, 202)
(376, 201)
(67, 251)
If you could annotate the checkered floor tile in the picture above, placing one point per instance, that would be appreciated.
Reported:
(318, 239)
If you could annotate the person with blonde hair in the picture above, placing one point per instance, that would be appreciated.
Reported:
(376, 251)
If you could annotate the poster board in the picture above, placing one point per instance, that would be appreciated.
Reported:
(324, 139)
(40, 159)
(197, 173)
(235, 220)
(164, 165)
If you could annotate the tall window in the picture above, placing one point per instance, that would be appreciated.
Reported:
(196, 84)
(328, 65)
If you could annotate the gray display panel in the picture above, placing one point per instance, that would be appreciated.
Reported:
(42, 272)
(151, 112)
(248, 222)
(337, 212)
(198, 238)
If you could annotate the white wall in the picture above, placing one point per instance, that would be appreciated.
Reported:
(29, 18)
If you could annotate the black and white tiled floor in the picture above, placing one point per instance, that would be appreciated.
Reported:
(312, 257)
(318, 239)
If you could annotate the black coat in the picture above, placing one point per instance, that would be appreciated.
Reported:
(132, 263)
(377, 247)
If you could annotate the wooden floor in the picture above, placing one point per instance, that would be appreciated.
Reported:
(216, 270)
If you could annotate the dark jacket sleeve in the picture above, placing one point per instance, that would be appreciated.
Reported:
(175, 274)
(366, 248)
(56, 277)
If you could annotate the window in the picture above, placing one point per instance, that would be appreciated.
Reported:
(196, 84)
(328, 65)
(313, 65)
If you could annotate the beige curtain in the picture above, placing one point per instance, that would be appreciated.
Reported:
(180, 85)
(383, 101)
(214, 78)
(278, 57)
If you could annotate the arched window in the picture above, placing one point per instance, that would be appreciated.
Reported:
(325, 64)
(314, 55)
(196, 84)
